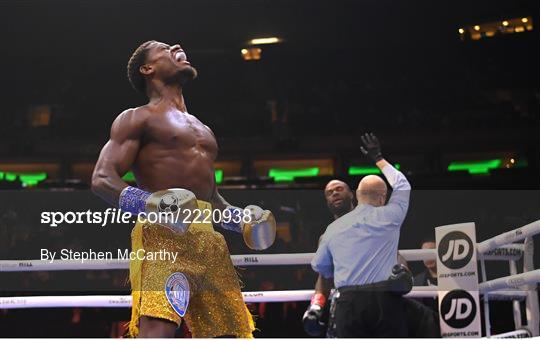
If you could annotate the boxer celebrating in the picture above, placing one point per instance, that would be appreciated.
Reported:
(171, 154)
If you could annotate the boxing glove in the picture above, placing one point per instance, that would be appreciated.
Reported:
(257, 226)
(401, 280)
(170, 206)
(312, 320)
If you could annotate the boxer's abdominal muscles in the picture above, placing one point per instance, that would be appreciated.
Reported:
(179, 153)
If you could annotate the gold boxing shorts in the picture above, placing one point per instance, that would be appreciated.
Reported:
(215, 307)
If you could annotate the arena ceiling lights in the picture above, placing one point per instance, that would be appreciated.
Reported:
(253, 51)
(265, 41)
(491, 29)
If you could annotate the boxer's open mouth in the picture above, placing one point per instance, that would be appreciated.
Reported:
(180, 56)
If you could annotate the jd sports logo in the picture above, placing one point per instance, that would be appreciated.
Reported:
(458, 309)
(455, 250)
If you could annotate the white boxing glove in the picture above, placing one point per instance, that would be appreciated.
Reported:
(258, 226)
(171, 206)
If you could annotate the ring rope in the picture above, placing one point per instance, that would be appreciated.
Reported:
(503, 253)
(511, 281)
(496, 248)
(511, 236)
(249, 297)
(116, 301)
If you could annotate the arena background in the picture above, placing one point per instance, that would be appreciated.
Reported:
(458, 108)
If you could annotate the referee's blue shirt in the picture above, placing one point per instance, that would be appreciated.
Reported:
(361, 247)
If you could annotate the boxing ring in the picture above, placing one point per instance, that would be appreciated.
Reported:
(517, 287)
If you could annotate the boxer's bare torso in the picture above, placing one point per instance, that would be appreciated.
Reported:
(164, 147)
(176, 150)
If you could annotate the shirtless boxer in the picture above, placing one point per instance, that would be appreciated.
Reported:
(171, 154)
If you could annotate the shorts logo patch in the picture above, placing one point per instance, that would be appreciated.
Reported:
(177, 292)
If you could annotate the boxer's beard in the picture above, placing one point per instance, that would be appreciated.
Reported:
(341, 209)
(186, 75)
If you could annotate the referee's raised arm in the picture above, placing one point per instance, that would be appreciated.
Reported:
(398, 204)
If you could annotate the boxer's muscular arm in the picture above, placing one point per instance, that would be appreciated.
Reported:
(118, 155)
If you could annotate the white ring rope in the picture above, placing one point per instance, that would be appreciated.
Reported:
(511, 236)
(512, 281)
(510, 252)
(504, 253)
(44, 265)
(249, 297)
(272, 259)
(496, 248)
(503, 295)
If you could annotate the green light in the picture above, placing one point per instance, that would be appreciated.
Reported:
(129, 177)
(29, 179)
(286, 175)
(10, 177)
(367, 170)
(475, 167)
(218, 173)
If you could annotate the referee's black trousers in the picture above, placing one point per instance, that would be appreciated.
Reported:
(369, 313)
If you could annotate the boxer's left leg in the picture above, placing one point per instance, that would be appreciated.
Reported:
(152, 314)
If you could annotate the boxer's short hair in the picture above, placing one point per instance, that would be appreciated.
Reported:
(138, 58)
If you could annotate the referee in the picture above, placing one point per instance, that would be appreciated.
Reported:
(359, 250)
